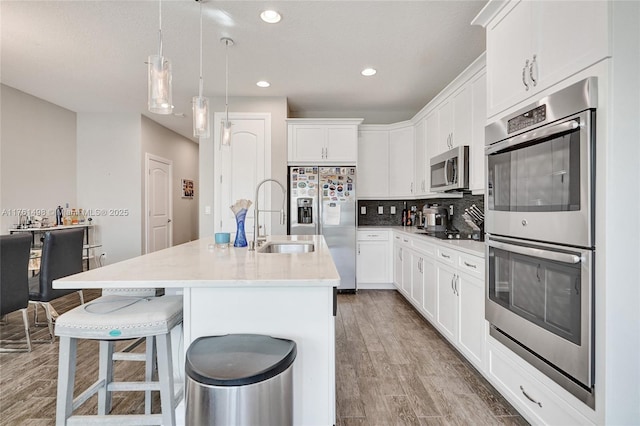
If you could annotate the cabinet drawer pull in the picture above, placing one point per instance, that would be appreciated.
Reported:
(470, 265)
(529, 398)
(446, 256)
(373, 235)
(533, 62)
(524, 70)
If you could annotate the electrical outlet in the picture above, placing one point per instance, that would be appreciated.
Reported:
(380, 210)
(207, 209)
(363, 209)
(451, 209)
(393, 209)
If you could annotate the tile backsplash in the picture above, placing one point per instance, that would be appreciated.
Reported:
(373, 218)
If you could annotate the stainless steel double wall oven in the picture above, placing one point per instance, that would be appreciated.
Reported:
(539, 200)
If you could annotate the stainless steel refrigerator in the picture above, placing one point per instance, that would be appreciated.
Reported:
(322, 200)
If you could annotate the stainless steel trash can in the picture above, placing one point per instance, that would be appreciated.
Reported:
(239, 379)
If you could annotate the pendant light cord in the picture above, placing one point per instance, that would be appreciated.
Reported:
(201, 86)
(226, 84)
(160, 27)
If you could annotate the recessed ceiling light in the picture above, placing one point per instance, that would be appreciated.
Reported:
(270, 16)
(263, 83)
(368, 72)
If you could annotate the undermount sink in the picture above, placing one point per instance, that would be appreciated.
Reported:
(287, 247)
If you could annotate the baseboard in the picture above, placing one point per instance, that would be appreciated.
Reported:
(376, 286)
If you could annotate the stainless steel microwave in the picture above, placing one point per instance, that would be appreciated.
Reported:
(450, 171)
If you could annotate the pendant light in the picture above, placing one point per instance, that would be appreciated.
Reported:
(226, 124)
(159, 79)
(200, 103)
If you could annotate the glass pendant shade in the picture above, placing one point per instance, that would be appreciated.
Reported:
(200, 117)
(226, 132)
(160, 101)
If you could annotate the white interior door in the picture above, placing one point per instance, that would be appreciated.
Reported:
(158, 203)
(239, 168)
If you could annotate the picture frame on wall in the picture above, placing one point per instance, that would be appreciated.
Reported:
(187, 188)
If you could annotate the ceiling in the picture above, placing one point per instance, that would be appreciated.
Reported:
(89, 56)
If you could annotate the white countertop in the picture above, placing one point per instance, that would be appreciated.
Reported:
(475, 248)
(200, 264)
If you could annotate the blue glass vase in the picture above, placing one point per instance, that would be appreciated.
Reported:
(241, 238)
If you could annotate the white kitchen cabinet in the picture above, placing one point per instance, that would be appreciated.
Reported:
(420, 160)
(432, 146)
(401, 161)
(532, 45)
(407, 272)
(445, 126)
(373, 163)
(397, 262)
(373, 263)
(460, 302)
(447, 301)
(429, 290)
(320, 141)
(478, 122)
(462, 116)
(516, 381)
(471, 323)
(417, 279)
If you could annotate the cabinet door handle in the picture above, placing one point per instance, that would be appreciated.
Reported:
(524, 70)
(533, 80)
(400, 253)
(452, 288)
(470, 265)
(412, 187)
(529, 398)
(457, 281)
(358, 248)
(451, 141)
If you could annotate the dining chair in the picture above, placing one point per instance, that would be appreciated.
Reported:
(61, 256)
(14, 283)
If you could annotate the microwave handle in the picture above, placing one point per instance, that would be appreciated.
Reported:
(536, 134)
(446, 178)
(535, 252)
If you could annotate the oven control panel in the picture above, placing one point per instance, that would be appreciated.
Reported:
(527, 119)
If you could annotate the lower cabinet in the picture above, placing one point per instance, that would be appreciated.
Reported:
(446, 286)
(447, 302)
(372, 264)
(535, 401)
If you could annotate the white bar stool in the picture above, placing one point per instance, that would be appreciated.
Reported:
(109, 319)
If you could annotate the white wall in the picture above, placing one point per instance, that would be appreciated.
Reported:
(108, 164)
(277, 107)
(622, 325)
(160, 141)
(38, 156)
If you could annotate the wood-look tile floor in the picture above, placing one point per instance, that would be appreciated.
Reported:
(392, 368)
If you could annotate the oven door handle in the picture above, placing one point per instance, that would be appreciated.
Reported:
(529, 136)
(535, 252)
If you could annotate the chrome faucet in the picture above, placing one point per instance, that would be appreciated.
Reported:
(256, 226)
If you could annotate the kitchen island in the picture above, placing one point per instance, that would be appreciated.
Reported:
(234, 290)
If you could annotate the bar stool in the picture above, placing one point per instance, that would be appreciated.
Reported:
(109, 319)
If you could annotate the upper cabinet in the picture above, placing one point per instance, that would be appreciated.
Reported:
(532, 45)
(459, 119)
(318, 141)
(401, 161)
(420, 162)
(373, 162)
(478, 89)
